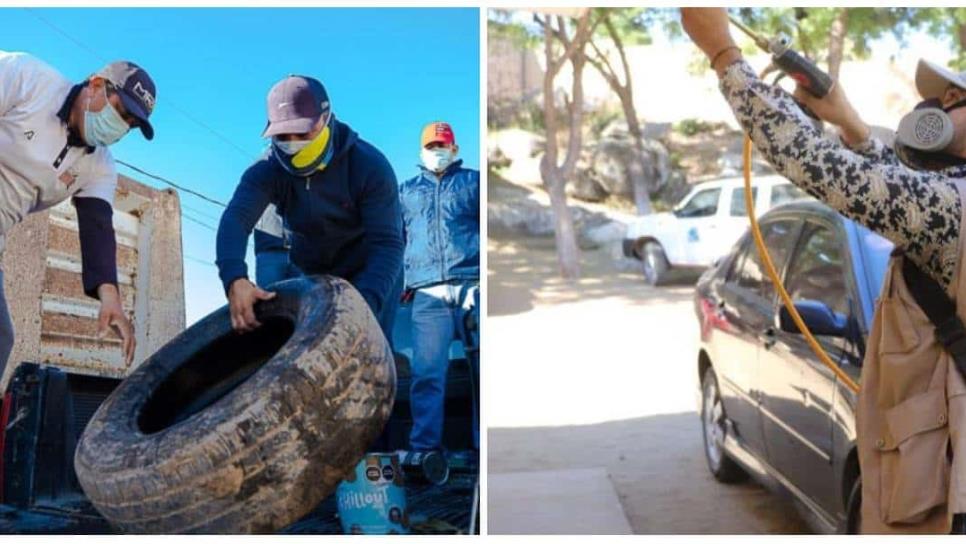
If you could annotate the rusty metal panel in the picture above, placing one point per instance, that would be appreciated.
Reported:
(68, 331)
(50, 307)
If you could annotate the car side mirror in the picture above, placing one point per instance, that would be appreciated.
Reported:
(818, 317)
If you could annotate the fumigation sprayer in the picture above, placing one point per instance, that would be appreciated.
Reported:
(818, 84)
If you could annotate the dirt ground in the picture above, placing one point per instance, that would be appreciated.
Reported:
(601, 372)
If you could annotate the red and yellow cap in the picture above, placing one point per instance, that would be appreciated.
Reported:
(437, 131)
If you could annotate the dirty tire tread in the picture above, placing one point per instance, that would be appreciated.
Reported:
(267, 452)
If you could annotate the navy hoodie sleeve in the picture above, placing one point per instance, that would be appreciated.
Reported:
(97, 243)
(382, 220)
(251, 197)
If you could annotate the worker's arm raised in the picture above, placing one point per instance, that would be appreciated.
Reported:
(918, 211)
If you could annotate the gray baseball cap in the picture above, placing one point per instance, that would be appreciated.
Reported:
(136, 89)
(932, 79)
(295, 105)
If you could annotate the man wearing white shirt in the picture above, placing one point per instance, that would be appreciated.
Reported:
(54, 136)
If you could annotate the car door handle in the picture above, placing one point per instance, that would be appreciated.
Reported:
(768, 337)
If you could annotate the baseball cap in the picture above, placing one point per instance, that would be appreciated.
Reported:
(136, 89)
(295, 105)
(437, 131)
(933, 79)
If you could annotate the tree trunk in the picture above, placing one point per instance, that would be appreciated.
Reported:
(639, 167)
(565, 235)
(554, 181)
(836, 42)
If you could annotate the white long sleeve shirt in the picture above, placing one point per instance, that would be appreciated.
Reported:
(38, 169)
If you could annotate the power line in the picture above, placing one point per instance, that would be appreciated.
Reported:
(171, 183)
(172, 105)
(191, 118)
(65, 35)
(199, 222)
(201, 213)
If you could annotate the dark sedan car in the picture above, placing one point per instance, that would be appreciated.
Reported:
(769, 407)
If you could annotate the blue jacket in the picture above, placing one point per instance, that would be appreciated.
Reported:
(345, 220)
(441, 220)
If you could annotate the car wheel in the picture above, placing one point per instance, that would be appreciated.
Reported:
(722, 467)
(853, 508)
(220, 432)
(654, 263)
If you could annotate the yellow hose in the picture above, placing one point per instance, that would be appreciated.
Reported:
(773, 274)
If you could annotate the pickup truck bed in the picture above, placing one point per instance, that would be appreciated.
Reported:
(46, 409)
(432, 509)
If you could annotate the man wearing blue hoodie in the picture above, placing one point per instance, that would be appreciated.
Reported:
(441, 217)
(336, 192)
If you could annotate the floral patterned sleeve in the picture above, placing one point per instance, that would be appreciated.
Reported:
(918, 211)
(873, 148)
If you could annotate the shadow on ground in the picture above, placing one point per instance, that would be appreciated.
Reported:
(523, 272)
(658, 469)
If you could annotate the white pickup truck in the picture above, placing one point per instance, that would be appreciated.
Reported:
(703, 226)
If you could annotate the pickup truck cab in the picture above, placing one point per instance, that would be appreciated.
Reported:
(703, 226)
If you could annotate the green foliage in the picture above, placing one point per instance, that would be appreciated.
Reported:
(674, 158)
(948, 24)
(527, 115)
(500, 24)
(809, 27)
(691, 127)
(601, 117)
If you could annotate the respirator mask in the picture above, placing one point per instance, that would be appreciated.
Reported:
(925, 133)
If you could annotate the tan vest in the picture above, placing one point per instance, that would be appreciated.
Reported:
(911, 414)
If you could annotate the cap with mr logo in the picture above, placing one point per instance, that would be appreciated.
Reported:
(136, 89)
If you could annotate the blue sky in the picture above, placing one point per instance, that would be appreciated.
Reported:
(387, 71)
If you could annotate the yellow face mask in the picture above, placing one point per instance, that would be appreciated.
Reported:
(314, 151)
(316, 154)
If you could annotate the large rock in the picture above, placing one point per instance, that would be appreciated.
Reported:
(586, 186)
(609, 167)
(651, 131)
(515, 143)
(732, 164)
(517, 153)
(514, 213)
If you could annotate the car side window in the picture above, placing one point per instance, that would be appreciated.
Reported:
(738, 207)
(741, 253)
(817, 271)
(702, 204)
(779, 239)
(781, 194)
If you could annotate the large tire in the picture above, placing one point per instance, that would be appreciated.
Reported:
(225, 433)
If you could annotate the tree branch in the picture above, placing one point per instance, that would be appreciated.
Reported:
(602, 64)
(620, 50)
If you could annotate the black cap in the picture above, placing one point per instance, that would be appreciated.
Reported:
(136, 89)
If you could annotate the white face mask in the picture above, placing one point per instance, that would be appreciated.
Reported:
(104, 127)
(437, 159)
(291, 147)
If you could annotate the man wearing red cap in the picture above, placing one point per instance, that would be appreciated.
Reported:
(441, 223)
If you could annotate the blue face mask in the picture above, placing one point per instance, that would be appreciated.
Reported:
(104, 127)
